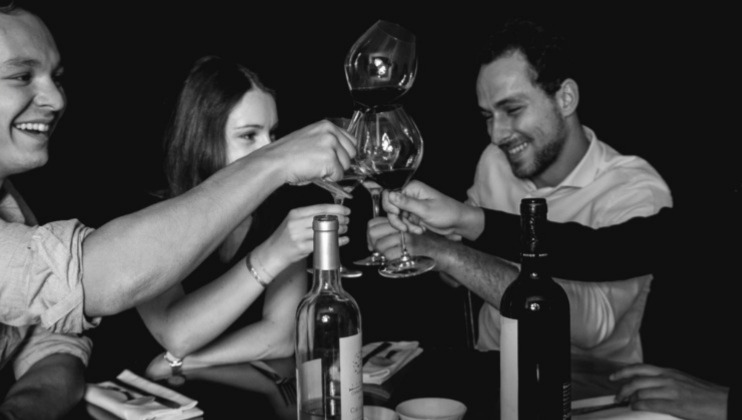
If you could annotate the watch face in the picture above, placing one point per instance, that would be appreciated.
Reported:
(172, 360)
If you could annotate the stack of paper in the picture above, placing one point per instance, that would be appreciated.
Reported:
(386, 363)
(132, 397)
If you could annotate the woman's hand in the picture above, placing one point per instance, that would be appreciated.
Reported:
(294, 238)
(158, 368)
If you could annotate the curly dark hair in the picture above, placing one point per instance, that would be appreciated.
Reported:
(546, 50)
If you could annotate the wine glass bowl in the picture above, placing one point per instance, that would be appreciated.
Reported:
(389, 145)
(381, 65)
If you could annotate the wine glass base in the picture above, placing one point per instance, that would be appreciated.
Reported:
(407, 267)
(344, 272)
(350, 273)
(371, 260)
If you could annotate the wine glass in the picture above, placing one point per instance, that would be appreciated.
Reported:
(381, 65)
(376, 257)
(379, 68)
(391, 145)
(352, 177)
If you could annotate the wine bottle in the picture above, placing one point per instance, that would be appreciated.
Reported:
(535, 363)
(328, 337)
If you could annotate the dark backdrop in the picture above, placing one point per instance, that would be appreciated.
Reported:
(652, 83)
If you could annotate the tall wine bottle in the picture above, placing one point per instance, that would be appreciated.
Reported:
(328, 337)
(535, 364)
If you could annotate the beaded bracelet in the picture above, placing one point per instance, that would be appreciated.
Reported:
(254, 272)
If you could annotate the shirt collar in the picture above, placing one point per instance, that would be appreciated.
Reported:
(587, 169)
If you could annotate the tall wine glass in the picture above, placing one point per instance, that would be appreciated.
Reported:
(379, 68)
(393, 148)
(352, 177)
(376, 258)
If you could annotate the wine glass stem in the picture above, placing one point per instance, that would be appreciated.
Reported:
(405, 255)
(375, 210)
(376, 201)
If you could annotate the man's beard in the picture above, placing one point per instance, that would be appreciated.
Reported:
(543, 158)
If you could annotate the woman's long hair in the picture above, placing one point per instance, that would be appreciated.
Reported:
(195, 141)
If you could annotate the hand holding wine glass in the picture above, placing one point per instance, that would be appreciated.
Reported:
(341, 189)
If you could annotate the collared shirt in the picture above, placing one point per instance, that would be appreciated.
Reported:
(41, 296)
(604, 189)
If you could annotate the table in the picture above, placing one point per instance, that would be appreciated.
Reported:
(470, 376)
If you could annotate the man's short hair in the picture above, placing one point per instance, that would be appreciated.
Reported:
(545, 49)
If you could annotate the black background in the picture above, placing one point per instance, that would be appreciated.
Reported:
(656, 83)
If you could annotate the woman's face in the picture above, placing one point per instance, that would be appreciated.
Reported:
(250, 125)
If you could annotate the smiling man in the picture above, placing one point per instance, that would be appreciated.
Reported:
(538, 148)
(57, 279)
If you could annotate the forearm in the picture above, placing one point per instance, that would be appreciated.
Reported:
(183, 323)
(582, 253)
(138, 256)
(262, 340)
(270, 337)
(486, 275)
(48, 390)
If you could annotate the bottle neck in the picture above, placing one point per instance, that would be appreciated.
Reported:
(533, 251)
(534, 264)
(326, 261)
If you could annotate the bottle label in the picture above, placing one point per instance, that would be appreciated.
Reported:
(310, 380)
(508, 368)
(351, 378)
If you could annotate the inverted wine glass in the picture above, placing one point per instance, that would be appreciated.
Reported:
(381, 65)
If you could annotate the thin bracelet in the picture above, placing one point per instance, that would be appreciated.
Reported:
(254, 272)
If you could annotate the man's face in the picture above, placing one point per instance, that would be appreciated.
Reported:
(522, 120)
(31, 97)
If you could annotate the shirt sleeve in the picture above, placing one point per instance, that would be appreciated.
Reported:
(41, 343)
(41, 269)
(608, 253)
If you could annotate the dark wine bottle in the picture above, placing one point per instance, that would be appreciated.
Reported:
(328, 337)
(535, 362)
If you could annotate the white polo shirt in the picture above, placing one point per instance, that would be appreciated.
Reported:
(604, 189)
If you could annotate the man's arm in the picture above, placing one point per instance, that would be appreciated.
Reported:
(577, 252)
(582, 253)
(138, 256)
(484, 274)
(48, 390)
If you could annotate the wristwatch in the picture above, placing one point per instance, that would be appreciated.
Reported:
(176, 367)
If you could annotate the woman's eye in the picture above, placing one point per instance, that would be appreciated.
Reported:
(23, 77)
(249, 136)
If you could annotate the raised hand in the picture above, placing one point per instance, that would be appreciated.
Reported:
(294, 238)
(319, 150)
(669, 391)
(419, 207)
